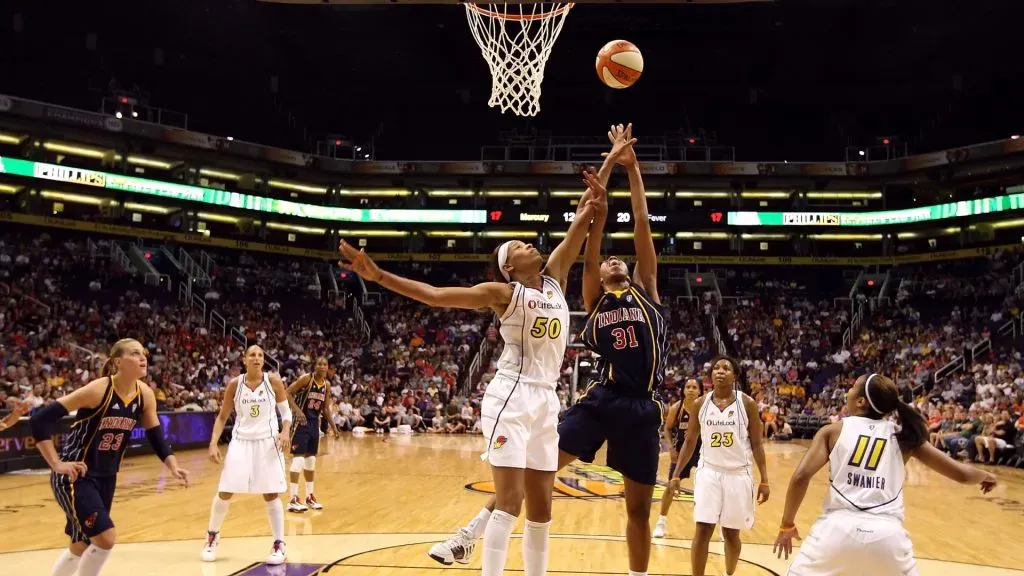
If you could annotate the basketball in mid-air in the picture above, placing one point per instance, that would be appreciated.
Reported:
(619, 64)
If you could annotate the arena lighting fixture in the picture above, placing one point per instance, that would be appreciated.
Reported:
(508, 233)
(861, 152)
(1015, 137)
(837, 195)
(1008, 223)
(294, 228)
(845, 236)
(231, 138)
(513, 193)
(706, 235)
(118, 115)
(449, 234)
(450, 193)
(150, 162)
(151, 208)
(8, 138)
(648, 193)
(73, 150)
(375, 193)
(297, 187)
(8, 189)
(565, 193)
(219, 174)
(373, 233)
(217, 217)
(629, 235)
(701, 194)
(765, 194)
(764, 236)
(76, 198)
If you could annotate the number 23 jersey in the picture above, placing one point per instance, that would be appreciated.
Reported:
(535, 328)
(99, 436)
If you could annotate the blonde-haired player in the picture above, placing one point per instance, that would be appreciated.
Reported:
(862, 531)
(255, 459)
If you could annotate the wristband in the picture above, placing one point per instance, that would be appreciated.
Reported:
(789, 528)
(765, 484)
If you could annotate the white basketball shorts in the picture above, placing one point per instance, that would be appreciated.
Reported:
(253, 467)
(724, 497)
(520, 425)
(855, 543)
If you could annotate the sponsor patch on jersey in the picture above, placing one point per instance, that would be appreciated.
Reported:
(499, 442)
(90, 521)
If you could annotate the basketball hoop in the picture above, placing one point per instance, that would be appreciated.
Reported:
(517, 54)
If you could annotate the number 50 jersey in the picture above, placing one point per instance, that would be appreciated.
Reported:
(535, 328)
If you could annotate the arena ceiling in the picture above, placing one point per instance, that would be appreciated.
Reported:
(784, 80)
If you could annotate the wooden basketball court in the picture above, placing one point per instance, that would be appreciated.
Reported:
(385, 504)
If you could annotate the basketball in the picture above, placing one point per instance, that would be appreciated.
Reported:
(619, 64)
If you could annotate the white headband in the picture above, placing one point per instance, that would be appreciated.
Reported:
(868, 395)
(503, 258)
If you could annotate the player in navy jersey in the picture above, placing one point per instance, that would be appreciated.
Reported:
(677, 421)
(312, 396)
(85, 473)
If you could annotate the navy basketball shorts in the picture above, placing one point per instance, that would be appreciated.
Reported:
(306, 440)
(694, 459)
(628, 423)
(86, 503)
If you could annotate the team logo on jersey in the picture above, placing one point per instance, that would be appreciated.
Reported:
(90, 521)
(499, 442)
(731, 412)
(583, 481)
(261, 392)
(550, 294)
(629, 298)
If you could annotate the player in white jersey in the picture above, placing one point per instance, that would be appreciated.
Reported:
(519, 411)
(861, 531)
(255, 459)
(728, 424)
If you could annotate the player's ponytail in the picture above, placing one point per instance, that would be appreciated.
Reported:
(108, 369)
(883, 398)
(116, 351)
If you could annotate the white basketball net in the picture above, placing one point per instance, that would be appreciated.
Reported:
(516, 41)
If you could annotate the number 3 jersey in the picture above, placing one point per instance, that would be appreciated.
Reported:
(628, 330)
(99, 436)
(866, 468)
(255, 411)
(535, 328)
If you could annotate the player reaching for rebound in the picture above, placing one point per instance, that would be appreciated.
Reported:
(626, 327)
(678, 420)
(312, 395)
(727, 423)
(519, 411)
(861, 531)
(255, 459)
(85, 474)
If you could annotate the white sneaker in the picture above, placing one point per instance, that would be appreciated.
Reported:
(210, 550)
(458, 548)
(659, 530)
(312, 503)
(277, 553)
(296, 505)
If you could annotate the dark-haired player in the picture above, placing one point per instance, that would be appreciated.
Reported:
(728, 424)
(85, 474)
(861, 531)
(312, 395)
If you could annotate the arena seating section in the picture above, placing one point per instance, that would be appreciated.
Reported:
(941, 332)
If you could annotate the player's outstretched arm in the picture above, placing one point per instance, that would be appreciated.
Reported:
(592, 254)
(493, 295)
(565, 254)
(227, 405)
(933, 458)
(45, 420)
(646, 271)
(814, 459)
(155, 434)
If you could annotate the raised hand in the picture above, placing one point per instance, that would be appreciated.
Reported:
(358, 262)
(598, 194)
(622, 145)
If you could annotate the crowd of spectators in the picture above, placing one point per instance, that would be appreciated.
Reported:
(63, 302)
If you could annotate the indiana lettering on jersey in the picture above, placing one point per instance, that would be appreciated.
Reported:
(865, 481)
(314, 395)
(618, 315)
(117, 423)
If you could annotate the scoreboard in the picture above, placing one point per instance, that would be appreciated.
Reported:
(659, 219)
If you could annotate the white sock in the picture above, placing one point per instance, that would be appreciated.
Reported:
(293, 489)
(635, 573)
(276, 513)
(309, 488)
(662, 519)
(66, 564)
(535, 548)
(496, 537)
(478, 524)
(218, 512)
(93, 560)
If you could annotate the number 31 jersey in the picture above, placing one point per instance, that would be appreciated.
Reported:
(535, 328)
(99, 436)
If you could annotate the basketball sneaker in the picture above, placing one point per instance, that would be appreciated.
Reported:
(210, 550)
(312, 503)
(296, 505)
(277, 553)
(458, 548)
(659, 530)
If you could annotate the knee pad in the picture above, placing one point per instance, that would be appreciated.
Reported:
(310, 463)
(297, 463)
